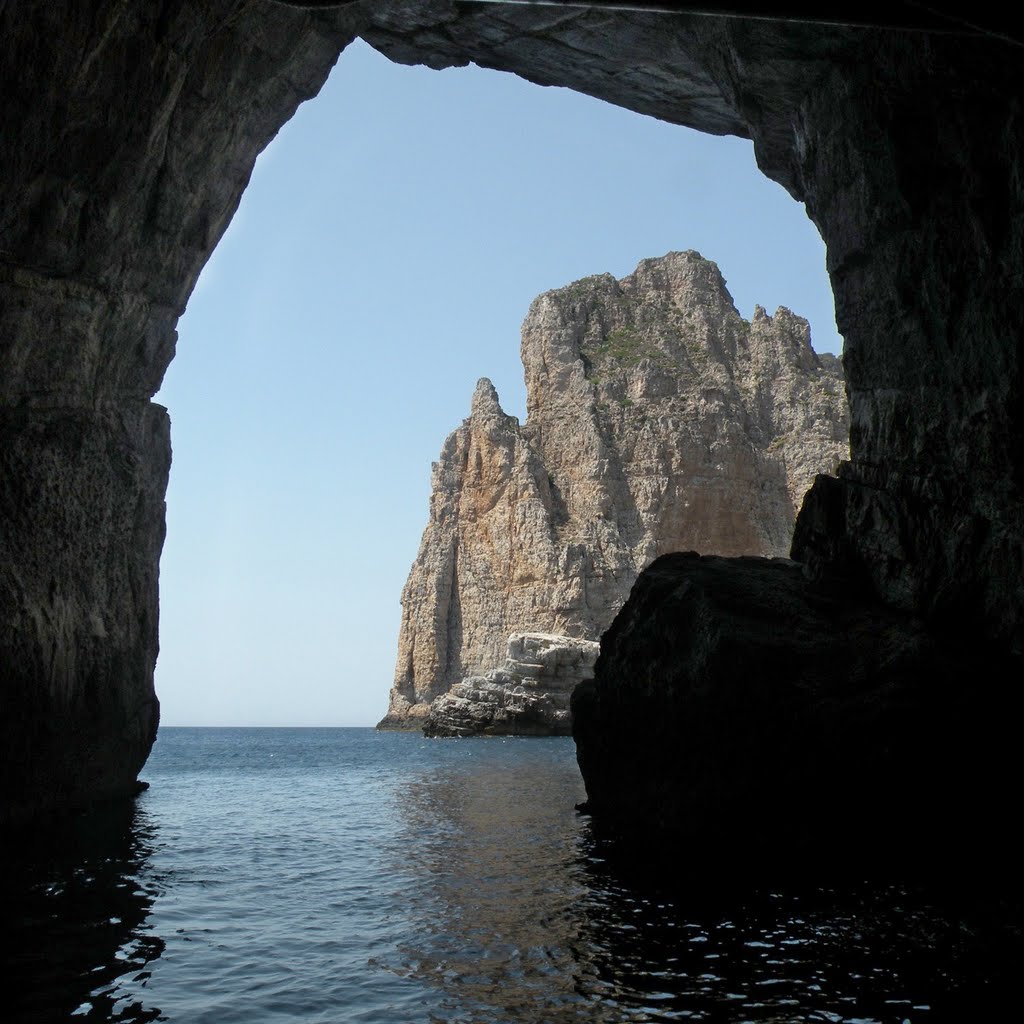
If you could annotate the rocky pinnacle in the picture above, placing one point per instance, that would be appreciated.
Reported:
(658, 420)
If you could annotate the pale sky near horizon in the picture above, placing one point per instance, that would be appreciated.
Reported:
(382, 260)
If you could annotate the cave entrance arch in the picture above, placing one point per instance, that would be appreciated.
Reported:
(131, 134)
(338, 332)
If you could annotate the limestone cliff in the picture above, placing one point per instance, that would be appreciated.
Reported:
(658, 420)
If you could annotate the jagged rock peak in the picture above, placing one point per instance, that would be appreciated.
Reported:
(485, 400)
(671, 313)
(680, 275)
(658, 420)
(685, 277)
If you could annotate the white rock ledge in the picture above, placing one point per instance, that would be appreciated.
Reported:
(527, 696)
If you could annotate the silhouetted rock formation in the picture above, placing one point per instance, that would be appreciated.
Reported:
(733, 705)
(658, 420)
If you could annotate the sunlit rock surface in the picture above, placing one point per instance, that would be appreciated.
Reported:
(658, 419)
(527, 696)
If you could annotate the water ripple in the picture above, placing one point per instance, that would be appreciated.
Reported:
(348, 876)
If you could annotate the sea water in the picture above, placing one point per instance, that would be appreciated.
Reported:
(346, 875)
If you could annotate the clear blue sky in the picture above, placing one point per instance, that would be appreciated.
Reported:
(382, 260)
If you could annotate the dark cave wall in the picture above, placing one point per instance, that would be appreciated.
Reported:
(81, 502)
(129, 134)
(914, 175)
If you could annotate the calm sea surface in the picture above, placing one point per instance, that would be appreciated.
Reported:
(274, 875)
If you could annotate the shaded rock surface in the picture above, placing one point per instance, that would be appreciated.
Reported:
(736, 707)
(129, 132)
(658, 419)
(82, 507)
(527, 696)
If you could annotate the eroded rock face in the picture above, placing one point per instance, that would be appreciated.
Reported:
(658, 420)
(129, 134)
(82, 507)
(527, 696)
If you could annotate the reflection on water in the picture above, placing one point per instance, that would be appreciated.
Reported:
(497, 885)
(338, 875)
(75, 906)
(860, 952)
(522, 919)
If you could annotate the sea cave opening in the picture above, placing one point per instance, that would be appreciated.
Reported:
(906, 151)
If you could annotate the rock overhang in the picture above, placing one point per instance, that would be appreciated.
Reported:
(122, 174)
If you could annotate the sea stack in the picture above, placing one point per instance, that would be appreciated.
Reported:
(658, 420)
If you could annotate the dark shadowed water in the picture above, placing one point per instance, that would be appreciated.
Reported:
(323, 875)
